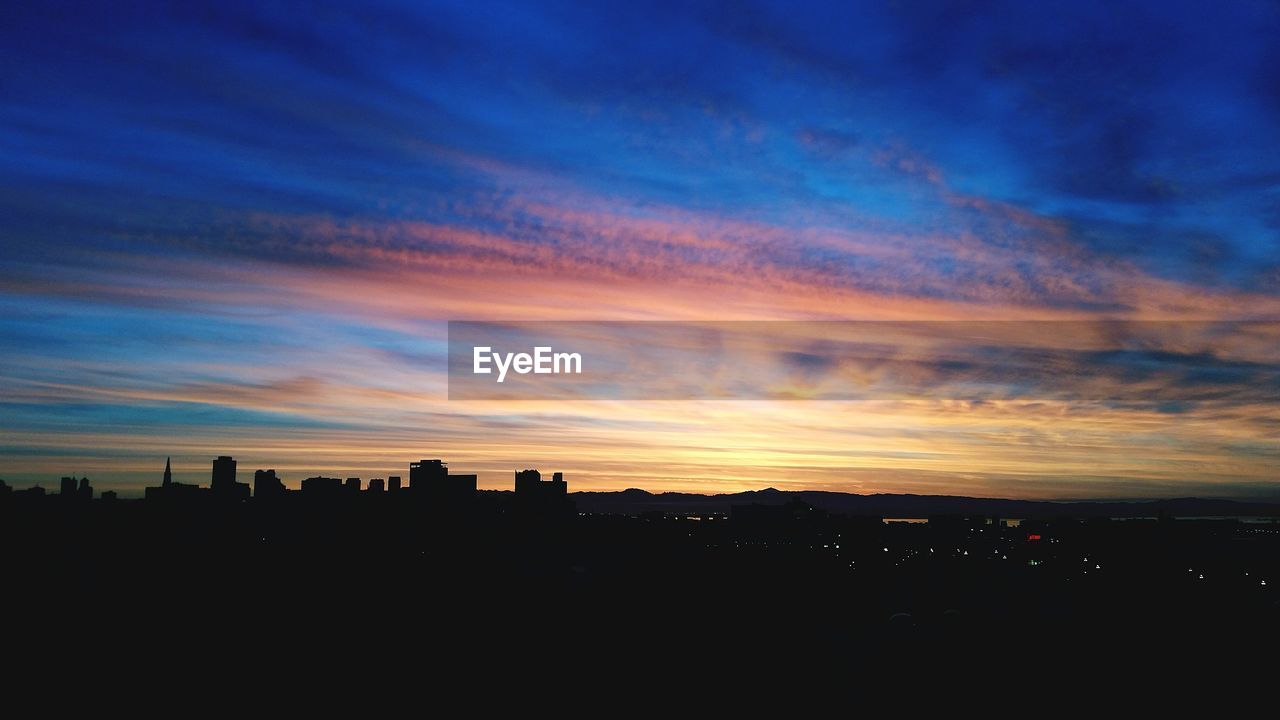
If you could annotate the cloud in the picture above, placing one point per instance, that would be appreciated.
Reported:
(244, 226)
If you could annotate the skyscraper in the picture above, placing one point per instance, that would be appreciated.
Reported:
(224, 472)
(543, 497)
(171, 490)
(424, 473)
(529, 484)
(267, 485)
(431, 479)
(224, 480)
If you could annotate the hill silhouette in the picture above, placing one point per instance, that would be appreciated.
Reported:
(635, 501)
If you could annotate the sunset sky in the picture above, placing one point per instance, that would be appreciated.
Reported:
(241, 229)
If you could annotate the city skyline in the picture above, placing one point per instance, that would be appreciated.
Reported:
(224, 481)
(246, 227)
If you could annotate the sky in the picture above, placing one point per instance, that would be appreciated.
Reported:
(241, 228)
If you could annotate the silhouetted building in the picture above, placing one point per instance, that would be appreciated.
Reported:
(73, 489)
(321, 487)
(109, 496)
(431, 479)
(376, 485)
(542, 497)
(224, 471)
(170, 490)
(5, 488)
(393, 483)
(530, 485)
(224, 484)
(426, 472)
(353, 485)
(266, 485)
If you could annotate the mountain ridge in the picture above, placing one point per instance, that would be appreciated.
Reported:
(907, 505)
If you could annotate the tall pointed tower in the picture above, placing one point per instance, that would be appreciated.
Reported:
(168, 474)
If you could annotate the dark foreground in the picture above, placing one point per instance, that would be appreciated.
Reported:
(367, 589)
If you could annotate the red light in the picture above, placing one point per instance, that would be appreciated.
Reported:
(1032, 537)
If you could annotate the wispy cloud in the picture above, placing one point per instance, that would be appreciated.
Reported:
(241, 229)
